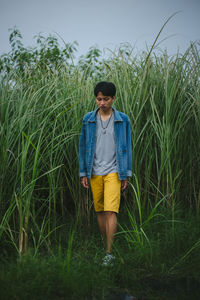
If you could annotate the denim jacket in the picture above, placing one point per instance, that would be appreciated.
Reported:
(122, 131)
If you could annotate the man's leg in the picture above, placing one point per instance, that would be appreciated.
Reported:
(106, 188)
(112, 189)
(111, 227)
(101, 223)
(107, 222)
(97, 186)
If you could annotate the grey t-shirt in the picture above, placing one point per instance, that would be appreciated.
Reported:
(105, 151)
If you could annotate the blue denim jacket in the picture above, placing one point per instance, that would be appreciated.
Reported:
(87, 144)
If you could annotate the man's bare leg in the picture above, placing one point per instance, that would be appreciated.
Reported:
(107, 222)
(111, 227)
(101, 219)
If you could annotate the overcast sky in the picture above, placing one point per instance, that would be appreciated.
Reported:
(105, 23)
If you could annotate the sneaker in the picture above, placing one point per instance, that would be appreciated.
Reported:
(108, 260)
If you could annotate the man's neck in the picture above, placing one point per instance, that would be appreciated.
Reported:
(105, 114)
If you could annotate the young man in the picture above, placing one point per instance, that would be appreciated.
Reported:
(105, 158)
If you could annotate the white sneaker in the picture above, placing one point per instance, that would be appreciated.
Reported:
(108, 260)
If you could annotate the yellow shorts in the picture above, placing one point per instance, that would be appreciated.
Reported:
(106, 192)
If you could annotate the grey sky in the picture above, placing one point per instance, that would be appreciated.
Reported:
(105, 23)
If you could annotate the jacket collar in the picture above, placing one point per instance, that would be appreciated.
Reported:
(117, 116)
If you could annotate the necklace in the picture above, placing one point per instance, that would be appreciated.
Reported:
(104, 128)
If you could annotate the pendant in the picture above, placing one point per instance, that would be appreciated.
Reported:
(104, 131)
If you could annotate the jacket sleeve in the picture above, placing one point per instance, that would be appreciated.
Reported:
(82, 152)
(129, 150)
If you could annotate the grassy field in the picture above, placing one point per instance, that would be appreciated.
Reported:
(48, 237)
(163, 264)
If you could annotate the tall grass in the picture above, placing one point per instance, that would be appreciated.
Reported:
(41, 115)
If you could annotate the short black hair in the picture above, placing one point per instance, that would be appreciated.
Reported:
(106, 88)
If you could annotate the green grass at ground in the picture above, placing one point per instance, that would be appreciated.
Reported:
(166, 266)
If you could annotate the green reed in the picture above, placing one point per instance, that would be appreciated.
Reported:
(41, 114)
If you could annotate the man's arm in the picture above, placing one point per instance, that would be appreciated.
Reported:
(124, 183)
(82, 149)
(129, 149)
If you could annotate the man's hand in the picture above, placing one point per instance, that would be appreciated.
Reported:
(124, 184)
(84, 182)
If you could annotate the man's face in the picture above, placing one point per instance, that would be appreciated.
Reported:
(104, 102)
